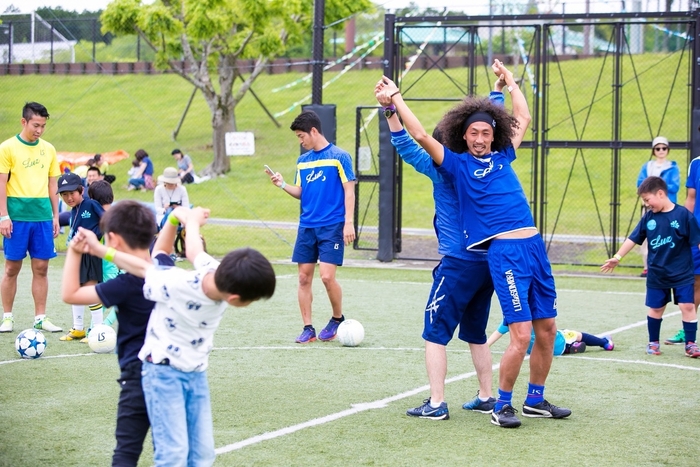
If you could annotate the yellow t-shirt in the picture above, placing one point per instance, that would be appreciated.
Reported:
(29, 165)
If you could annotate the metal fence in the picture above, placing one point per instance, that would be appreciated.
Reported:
(600, 87)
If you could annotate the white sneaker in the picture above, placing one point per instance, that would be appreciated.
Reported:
(6, 325)
(46, 325)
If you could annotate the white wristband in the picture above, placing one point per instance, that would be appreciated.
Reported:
(4, 218)
(284, 184)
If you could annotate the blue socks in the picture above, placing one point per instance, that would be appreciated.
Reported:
(691, 330)
(535, 394)
(504, 397)
(654, 327)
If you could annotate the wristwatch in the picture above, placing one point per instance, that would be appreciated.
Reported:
(389, 111)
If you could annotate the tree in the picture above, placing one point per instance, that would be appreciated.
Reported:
(209, 36)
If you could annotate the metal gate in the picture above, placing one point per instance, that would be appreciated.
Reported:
(600, 87)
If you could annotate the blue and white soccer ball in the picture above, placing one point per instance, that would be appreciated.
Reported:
(350, 333)
(30, 343)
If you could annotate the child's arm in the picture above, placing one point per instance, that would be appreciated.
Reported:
(193, 241)
(610, 264)
(493, 338)
(71, 291)
(129, 263)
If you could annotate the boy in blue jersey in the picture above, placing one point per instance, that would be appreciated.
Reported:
(85, 213)
(325, 184)
(128, 227)
(462, 287)
(670, 230)
(480, 139)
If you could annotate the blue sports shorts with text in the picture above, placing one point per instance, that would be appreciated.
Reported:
(658, 298)
(522, 279)
(461, 295)
(320, 243)
(33, 237)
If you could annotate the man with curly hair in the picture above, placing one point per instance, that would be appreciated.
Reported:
(479, 142)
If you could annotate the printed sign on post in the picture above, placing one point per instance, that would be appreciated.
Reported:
(240, 143)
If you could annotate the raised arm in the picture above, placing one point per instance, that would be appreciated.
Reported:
(412, 124)
(520, 109)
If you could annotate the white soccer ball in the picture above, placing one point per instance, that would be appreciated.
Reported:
(30, 343)
(350, 333)
(102, 339)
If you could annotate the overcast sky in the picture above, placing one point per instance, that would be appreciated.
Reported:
(475, 6)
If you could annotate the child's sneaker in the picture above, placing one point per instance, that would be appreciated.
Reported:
(679, 338)
(692, 350)
(73, 335)
(6, 325)
(653, 348)
(306, 336)
(428, 411)
(609, 345)
(46, 325)
(328, 333)
(85, 340)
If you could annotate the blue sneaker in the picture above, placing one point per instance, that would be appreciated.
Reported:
(306, 336)
(328, 333)
(477, 405)
(430, 412)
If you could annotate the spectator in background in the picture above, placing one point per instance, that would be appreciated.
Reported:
(659, 166)
(143, 179)
(103, 166)
(169, 194)
(93, 174)
(185, 168)
(81, 170)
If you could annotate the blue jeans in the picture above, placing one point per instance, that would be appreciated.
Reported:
(180, 412)
(137, 182)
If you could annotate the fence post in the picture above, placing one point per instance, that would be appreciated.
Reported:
(695, 76)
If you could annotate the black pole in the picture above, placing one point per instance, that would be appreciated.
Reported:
(317, 61)
(616, 152)
(389, 230)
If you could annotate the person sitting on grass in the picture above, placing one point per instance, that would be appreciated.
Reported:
(128, 227)
(671, 230)
(566, 341)
(189, 307)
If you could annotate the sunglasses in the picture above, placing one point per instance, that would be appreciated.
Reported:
(661, 148)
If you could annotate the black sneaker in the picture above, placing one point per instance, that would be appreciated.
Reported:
(545, 410)
(432, 413)
(505, 417)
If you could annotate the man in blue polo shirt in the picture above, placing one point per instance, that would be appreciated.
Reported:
(325, 184)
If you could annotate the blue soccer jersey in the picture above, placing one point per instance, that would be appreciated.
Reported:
(694, 182)
(321, 175)
(86, 215)
(490, 195)
(670, 236)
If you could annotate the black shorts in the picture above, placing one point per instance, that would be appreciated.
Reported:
(90, 269)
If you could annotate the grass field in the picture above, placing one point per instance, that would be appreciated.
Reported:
(277, 403)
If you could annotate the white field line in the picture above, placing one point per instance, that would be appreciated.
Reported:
(382, 403)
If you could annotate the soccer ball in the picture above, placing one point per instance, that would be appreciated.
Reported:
(350, 333)
(102, 339)
(30, 343)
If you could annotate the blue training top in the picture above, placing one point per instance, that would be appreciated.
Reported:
(321, 175)
(670, 236)
(86, 215)
(491, 197)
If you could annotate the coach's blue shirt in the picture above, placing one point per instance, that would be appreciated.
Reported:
(447, 214)
(669, 236)
(492, 200)
(321, 175)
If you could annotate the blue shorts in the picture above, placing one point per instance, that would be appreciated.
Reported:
(33, 237)
(324, 243)
(658, 298)
(696, 259)
(461, 295)
(522, 279)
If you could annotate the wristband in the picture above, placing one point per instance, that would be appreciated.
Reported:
(4, 218)
(395, 93)
(284, 184)
(617, 257)
(173, 220)
(109, 254)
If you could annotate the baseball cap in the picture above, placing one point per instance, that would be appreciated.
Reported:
(659, 140)
(69, 182)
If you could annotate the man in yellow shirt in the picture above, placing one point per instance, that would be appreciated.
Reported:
(28, 212)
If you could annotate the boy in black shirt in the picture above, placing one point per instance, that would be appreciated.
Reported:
(671, 230)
